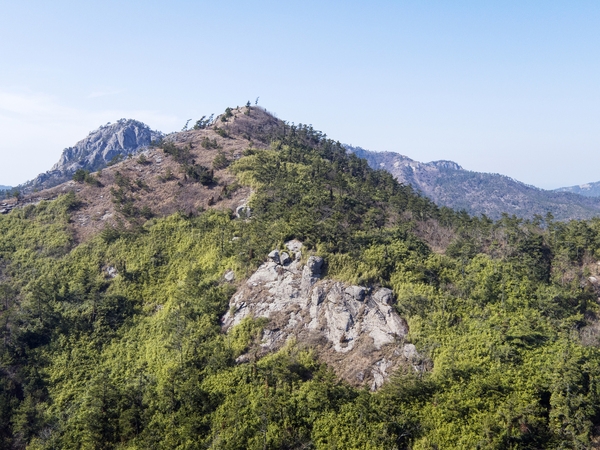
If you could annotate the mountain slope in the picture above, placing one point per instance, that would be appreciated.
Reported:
(448, 184)
(118, 140)
(187, 330)
(162, 181)
(587, 190)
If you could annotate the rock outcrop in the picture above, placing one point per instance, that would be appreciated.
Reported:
(111, 141)
(354, 329)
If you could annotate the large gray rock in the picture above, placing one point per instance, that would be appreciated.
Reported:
(274, 256)
(331, 316)
(285, 259)
(314, 265)
(123, 138)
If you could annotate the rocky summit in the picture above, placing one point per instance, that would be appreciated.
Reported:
(107, 144)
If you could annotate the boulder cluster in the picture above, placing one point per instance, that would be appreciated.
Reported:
(355, 329)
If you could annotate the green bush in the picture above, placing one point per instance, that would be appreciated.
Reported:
(82, 176)
(222, 132)
(220, 161)
(227, 115)
(209, 143)
(115, 160)
(203, 123)
(199, 173)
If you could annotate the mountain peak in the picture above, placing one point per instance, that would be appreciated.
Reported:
(444, 164)
(100, 147)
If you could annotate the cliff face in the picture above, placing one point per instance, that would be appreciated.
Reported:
(100, 147)
(355, 329)
(587, 190)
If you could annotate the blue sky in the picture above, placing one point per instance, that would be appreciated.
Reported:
(511, 87)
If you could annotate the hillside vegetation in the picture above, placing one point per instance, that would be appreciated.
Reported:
(115, 342)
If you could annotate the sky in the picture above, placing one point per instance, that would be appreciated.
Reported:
(509, 87)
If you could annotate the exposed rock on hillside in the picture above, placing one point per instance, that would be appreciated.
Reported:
(448, 184)
(587, 190)
(354, 329)
(100, 147)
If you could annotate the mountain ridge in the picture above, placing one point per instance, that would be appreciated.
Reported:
(448, 184)
(445, 182)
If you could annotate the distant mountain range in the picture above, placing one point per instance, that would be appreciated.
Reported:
(5, 188)
(99, 148)
(448, 184)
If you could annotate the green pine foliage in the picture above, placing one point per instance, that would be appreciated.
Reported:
(116, 343)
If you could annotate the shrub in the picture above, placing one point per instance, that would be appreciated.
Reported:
(146, 212)
(168, 176)
(222, 132)
(180, 154)
(79, 175)
(200, 174)
(221, 161)
(209, 143)
(229, 189)
(84, 176)
(225, 117)
(157, 142)
(116, 159)
(122, 181)
(92, 181)
(203, 122)
(142, 184)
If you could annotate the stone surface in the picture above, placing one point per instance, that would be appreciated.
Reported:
(274, 256)
(229, 276)
(111, 272)
(294, 245)
(354, 329)
(124, 138)
(285, 259)
(243, 212)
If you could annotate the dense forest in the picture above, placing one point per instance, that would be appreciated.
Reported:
(116, 342)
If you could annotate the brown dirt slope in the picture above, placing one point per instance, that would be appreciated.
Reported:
(156, 184)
